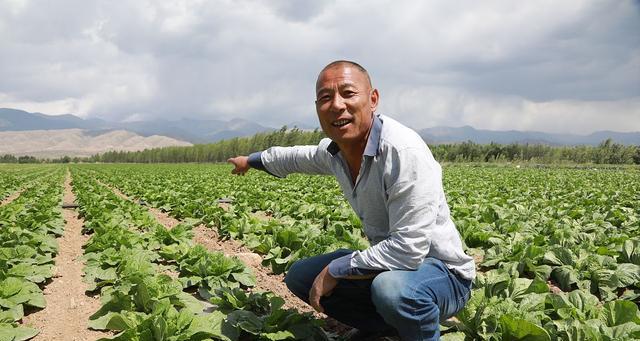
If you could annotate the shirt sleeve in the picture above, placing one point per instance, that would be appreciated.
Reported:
(282, 161)
(255, 161)
(341, 268)
(413, 190)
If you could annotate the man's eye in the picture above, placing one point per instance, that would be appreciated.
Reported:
(349, 93)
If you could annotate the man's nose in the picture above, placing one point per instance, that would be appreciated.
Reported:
(337, 103)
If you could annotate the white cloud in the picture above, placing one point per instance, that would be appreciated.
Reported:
(428, 107)
(546, 65)
(56, 107)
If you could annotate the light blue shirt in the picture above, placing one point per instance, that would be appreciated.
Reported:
(398, 196)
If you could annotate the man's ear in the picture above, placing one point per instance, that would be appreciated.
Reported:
(375, 96)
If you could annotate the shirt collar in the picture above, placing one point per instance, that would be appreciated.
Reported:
(371, 149)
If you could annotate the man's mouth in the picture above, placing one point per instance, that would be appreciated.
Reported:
(340, 123)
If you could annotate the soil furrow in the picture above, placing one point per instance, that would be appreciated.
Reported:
(208, 237)
(68, 308)
(12, 197)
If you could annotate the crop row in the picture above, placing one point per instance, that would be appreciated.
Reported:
(29, 226)
(574, 232)
(145, 274)
(14, 178)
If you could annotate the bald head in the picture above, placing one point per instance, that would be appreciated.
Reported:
(345, 63)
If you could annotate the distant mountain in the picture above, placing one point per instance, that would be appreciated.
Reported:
(76, 142)
(194, 131)
(441, 135)
(18, 120)
(207, 131)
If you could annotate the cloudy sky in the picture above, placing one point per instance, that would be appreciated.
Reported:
(555, 66)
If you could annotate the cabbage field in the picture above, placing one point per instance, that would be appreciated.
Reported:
(557, 252)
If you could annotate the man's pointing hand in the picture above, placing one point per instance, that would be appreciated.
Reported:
(241, 164)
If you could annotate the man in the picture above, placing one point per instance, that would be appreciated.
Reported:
(415, 272)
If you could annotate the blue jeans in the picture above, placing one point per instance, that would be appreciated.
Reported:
(412, 302)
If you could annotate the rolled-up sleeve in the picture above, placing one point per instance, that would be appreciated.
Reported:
(413, 194)
(341, 268)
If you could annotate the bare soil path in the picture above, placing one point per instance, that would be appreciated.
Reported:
(265, 279)
(12, 197)
(68, 308)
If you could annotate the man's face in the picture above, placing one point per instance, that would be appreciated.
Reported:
(345, 103)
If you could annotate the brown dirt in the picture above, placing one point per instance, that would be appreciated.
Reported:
(163, 217)
(265, 279)
(11, 198)
(262, 215)
(68, 308)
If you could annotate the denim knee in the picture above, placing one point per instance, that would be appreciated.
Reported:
(387, 296)
(294, 280)
(401, 306)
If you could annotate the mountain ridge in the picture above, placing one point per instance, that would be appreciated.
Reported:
(191, 130)
(76, 142)
(209, 131)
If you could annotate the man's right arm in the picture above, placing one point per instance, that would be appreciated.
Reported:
(281, 161)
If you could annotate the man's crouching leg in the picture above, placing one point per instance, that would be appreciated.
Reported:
(414, 302)
(350, 302)
(300, 276)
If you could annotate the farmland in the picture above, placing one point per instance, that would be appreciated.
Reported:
(557, 250)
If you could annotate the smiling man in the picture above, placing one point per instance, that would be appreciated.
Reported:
(415, 273)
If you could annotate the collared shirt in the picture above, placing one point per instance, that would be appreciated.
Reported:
(398, 196)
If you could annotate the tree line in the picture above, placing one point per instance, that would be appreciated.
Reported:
(215, 152)
(607, 152)
(8, 158)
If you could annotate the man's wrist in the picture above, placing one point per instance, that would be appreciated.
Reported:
(255, 161)
(340, 267)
